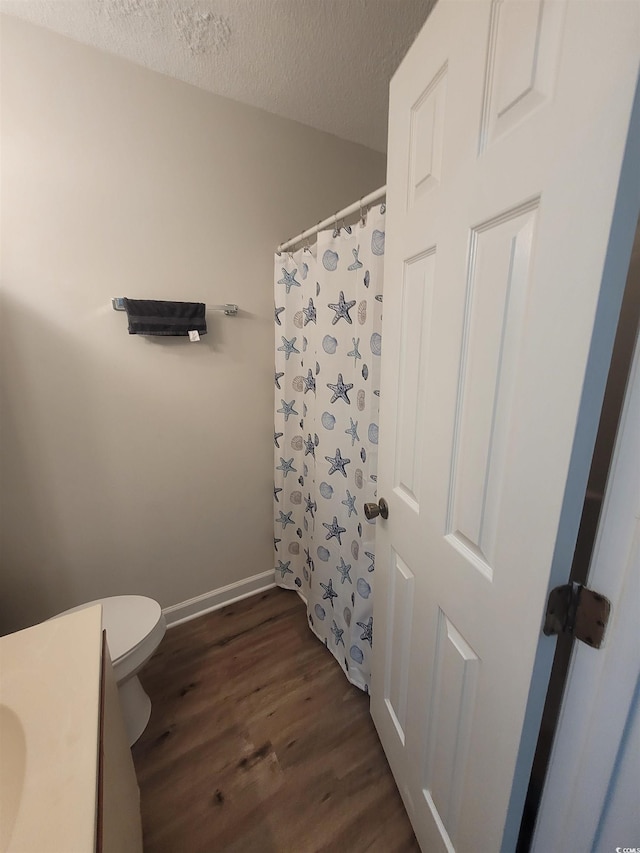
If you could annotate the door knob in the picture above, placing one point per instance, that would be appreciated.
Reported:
(381, 509)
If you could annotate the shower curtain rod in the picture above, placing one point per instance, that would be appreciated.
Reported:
(330, 220)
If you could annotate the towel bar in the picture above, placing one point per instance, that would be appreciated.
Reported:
(229, 309)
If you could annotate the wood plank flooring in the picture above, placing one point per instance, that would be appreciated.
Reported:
(257, 742)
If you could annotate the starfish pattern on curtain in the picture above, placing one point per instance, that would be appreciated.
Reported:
(328, 317)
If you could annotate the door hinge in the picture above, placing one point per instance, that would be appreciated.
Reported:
(575, 609)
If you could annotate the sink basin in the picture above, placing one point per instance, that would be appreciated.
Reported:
(12, 770)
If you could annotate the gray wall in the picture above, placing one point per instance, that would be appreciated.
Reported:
(133, 465)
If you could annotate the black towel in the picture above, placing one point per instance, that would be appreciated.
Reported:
(156, 317)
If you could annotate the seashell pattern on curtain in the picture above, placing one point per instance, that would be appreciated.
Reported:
(328, 317)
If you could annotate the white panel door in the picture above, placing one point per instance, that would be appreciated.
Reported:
(507, 129)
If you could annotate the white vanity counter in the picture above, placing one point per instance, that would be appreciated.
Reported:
(58, 753)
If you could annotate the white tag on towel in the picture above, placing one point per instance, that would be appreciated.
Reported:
(194, 336)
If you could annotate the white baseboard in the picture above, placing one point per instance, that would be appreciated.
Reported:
(176, 614)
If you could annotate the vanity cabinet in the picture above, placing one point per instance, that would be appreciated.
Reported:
(118, 828)
(68, 783)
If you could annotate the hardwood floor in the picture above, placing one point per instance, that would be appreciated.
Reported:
(257, 742)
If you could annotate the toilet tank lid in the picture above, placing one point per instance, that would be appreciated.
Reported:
(127, 619)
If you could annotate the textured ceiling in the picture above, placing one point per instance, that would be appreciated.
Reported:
(325, 63)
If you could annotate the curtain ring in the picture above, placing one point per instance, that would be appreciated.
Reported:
(363, 215)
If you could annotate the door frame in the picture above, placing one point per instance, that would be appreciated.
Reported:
(623, 227)
(600, 702)
(603, 472)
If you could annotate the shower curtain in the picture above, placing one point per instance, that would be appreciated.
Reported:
(328, 313)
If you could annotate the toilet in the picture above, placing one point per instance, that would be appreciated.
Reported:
(134, 625)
